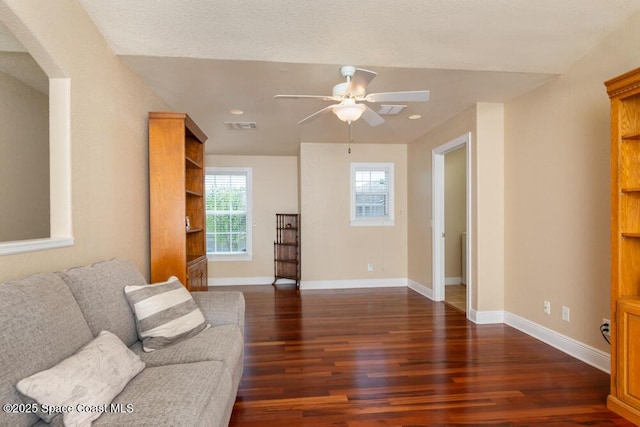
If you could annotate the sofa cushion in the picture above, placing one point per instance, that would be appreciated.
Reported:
(165, 313)
(99, 291)
(221, 307)
(191, 394)
(40, 324)
(221, 343)
(90, 378)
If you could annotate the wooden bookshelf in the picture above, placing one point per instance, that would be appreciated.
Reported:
(286, 248)
(624, 94)
(176, 178)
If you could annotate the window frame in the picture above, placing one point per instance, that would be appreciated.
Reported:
(379, 221)
(235, 256)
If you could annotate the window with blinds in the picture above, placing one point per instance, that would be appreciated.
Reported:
(372, 194)
(228, 213)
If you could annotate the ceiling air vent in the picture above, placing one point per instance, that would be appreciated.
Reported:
(391, 110)
(240, 125)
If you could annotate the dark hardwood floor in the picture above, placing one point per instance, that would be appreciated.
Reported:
(391, 357)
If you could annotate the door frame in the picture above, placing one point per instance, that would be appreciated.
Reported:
(438, 216)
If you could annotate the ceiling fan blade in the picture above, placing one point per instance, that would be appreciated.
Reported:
(324, 97)
(371, 117)
(411, 96)
(360, 79)
(317, 113)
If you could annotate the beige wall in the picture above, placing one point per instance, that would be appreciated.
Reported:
(24, 162)
(455, 208)
(557, 192)
(109, 157)
(275, 190)
(488, 209)
(331, 248)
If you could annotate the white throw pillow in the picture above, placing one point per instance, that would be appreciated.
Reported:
(165, 313)
(83, 383)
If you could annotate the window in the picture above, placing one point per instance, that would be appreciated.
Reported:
(228, 210)
(371, 194)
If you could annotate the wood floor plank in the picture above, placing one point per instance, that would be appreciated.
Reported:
(385, 357)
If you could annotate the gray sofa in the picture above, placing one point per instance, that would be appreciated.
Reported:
(46, 318)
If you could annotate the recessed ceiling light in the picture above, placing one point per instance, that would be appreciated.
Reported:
(236, 111)
(414, 117)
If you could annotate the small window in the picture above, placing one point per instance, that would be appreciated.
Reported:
(228, 210)
(372, 194)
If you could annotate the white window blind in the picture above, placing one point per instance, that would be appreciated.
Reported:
(372, 194)
(228, 211)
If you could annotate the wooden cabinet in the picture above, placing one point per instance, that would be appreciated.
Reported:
(286, 248)
(177, 213)
(197, 275)
(624, 92)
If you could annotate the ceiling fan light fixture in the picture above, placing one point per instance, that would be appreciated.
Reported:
(348, 110)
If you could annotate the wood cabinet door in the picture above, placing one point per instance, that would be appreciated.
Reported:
(628, 336)
(197, 276)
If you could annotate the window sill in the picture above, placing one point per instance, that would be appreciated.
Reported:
(229, 257)
(23, 246)
(372, 222)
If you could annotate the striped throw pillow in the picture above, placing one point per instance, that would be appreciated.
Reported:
(165, 313)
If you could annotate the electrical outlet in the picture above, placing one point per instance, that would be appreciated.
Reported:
(369, 267)
(547, 307)
(607, 329)
(566, 313)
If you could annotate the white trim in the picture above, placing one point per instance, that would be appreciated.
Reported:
(60, 217)
(382, 221)
(437, 224)
(488, 317)
(236, 256)
(437, 216)
(420, 288)
(22, 246)
(372, 222)
(452, 281)
(570, 346)
(590, 355)
(238, 281)
(352, 284)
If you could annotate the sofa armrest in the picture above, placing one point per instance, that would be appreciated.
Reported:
(221, 307)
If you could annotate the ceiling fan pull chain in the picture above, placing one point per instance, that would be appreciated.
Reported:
(350, 137)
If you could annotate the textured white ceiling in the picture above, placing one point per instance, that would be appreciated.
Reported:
(206, 57)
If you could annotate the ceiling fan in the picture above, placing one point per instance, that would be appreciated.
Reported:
(348, 95)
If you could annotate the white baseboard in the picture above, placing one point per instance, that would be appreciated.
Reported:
(590, 355)
(350, 284)
(452, 280)
(486, 317)
(420, 288)
(236, 281)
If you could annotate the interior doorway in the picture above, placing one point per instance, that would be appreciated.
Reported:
(451, 237)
